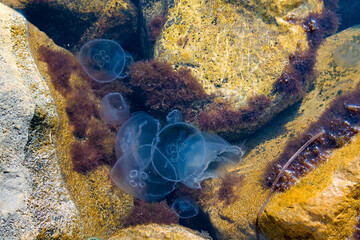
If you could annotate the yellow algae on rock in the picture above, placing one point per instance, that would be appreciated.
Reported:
(234, 52)
(281, 219)
(324, 204)
(101, 207)
(156, 231)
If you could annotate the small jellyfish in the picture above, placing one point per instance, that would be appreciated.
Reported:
(103, 60)
(113, 109)
(174, 116)
(185, 207)
(134, 174)
(347, 55)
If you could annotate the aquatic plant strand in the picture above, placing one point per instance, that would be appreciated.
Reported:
(283, 171)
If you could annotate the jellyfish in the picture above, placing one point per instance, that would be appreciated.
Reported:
(188, 155)
(113, 109)
(128, 60)
(174, 116)
(103, 60)
(134, 174)
(183, 150)
(152, 161)
(138, 130)
(217, 152)
(185, 207)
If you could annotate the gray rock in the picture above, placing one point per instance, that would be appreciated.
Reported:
(33, 198)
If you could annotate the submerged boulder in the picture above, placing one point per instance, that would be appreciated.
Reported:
(323, 203)
(252, 58)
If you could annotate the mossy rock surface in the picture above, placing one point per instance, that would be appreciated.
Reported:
(156, 231)
(236, 50)
(72, 23)
(324, 203)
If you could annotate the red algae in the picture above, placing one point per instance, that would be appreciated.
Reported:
(155, 25)
(340, 122)
(94, 139)
(145, 213)
(60, 68)
(228, 182)
(164, 89)
(220, 115)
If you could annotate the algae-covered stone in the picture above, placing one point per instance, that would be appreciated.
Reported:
(101, 206)
(236, 49)
(325, 203)
(71, 23)
(41, 195)
(156, 231)
(229, 48)
(33, 197)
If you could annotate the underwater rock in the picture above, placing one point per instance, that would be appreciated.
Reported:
(238, 50)
(34, 200)
(322, 204)
(72, 24)
(157, 231)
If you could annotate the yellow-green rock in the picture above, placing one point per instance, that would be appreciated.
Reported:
(234, 51)
(325, 203)
(156, 231)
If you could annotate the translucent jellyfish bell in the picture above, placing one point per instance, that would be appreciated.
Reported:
(138, 130)
(128, 60)
(174, 116)
(183, 150)
(217, 152)
(113, 109)
(103, 60)
(185, 207)
(134, 174)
